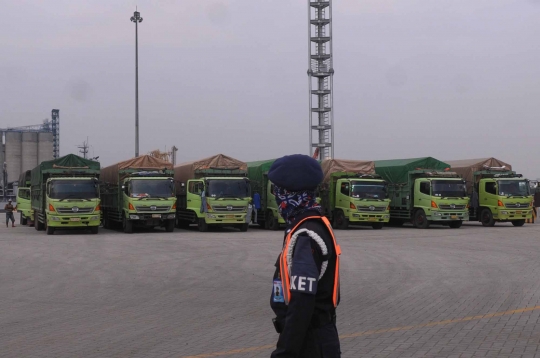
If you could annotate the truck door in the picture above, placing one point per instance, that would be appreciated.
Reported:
(488, 193)
(195, 191)
(422, 195)
(343, 194)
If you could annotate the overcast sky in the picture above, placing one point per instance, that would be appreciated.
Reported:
(452, 79)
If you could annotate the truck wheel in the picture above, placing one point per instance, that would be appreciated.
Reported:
(486, 218)
(37, 225)
(340, 221)
(50, 230)
(420, 220)
(273, 223)
(24, 221)
(244, 227)
(128, 226)
(455, 224)
(169, 227)
(203, 226)
(518, 222)
(182, 224)
(94, 230)
(377, 226)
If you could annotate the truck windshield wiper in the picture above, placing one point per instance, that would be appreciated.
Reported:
(73, 196)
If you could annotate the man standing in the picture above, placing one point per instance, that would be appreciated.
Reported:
(306, 280)
(9, 213)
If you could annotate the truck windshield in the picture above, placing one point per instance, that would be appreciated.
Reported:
(228, 188)
(151, 188)
(368, 190)
(448, 188)
(514, 188)
(23, 193)
(73, 189)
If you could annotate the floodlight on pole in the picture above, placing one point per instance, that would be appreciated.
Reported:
(136, 18)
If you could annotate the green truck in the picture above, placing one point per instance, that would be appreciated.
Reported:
(213, 192)
(423, 191)
(24, 205)
(138, 192)
(65, 194)
(267, 214)
(497, 193)
(351, 193)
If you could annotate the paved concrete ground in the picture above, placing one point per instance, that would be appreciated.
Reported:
(440, 292)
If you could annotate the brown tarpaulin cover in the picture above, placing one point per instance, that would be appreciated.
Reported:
(186, 171)
(330, 166)
(143, 162)
(466, 167)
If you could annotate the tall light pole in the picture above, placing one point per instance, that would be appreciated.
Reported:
(136, 18)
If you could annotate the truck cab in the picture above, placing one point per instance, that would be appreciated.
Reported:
(215, 201)
(24, 205)
(356, 199)
(442, 199)
(501, 197)
(72, 202)
(148, 201)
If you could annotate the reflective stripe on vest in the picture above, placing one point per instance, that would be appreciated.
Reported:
(284, 269)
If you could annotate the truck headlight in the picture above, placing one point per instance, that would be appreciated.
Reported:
(94, 218)
(210, 216)
(387, 216)
(134, 217)
(436, 213)
(55, 218)
(171, 216)
(504, 212)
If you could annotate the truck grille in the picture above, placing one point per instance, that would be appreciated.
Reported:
(228, 208)
(153, 208)
(74, 210)
(449, 207)
(371, 208)
(517, 205)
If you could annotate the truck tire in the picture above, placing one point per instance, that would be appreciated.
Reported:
(182, 224)
(94, 230)
(37, 225)
(420, 220)
(456, 224)
(377, 226)
(340, 221)
(273, 223)
(518, 222)
(50, 230)
(128, 226)
(486, 218)
(169, 226)
(244, 227)
(203, 226)
(396, 222)
(24, 221)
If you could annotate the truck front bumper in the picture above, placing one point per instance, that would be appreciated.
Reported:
(444, 216)
(509, 215)
(356, 217)
(215, 218)
(145, 217)
(73, 221)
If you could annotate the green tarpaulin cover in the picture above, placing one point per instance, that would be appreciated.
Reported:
(65, 163)
(257, 169)
(396, 170)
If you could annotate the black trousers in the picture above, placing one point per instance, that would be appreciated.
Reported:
(9, 216)
(320, 342)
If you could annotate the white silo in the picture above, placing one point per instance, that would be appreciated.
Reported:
(29, 151)
(13, 155)
(45, 147)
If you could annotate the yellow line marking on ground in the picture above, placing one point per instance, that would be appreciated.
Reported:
(386, 330)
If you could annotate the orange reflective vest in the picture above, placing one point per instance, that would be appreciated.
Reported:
(285, 271)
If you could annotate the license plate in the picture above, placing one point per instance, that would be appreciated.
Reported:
(156, 216)
(453, 217)
(372, 219)
(75, 219)
(518, 212)
(229, 216)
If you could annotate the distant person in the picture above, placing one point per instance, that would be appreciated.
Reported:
(9, 208)
(306, 279)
